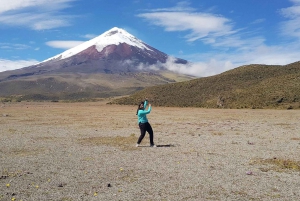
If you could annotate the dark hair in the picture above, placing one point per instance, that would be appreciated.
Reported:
(139, 107)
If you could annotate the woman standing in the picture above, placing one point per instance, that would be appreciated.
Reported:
(143, 123)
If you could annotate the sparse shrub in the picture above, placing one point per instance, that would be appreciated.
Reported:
(5, 100)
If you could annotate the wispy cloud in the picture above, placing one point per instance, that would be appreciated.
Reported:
(8, 5)
(209, 28)
(182, 6)
(218, 62)
(63, 44)
(200, 25)
(35, 14)
(258, 21)
(6, 65)
(233, 46)
(12, 46)
(212, 63)
(89, 36)
(291, 26)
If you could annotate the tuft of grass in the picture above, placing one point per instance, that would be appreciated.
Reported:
(277, 164)
(5, 174)
(217, 133)
(295, 138)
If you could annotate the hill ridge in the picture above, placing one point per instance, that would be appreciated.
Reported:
(250, 86)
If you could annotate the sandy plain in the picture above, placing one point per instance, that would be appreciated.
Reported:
(86, 151)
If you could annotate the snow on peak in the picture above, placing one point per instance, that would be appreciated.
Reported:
(114, 36)
(117, 36)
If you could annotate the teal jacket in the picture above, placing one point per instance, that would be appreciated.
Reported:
(142, 114)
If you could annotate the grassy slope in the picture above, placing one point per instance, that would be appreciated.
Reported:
(83, 86)
(253, 86)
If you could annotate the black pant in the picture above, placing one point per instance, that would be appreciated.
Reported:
(145, 127)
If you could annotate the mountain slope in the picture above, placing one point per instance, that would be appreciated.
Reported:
(114, 63)
(74, 86)
(252, 86)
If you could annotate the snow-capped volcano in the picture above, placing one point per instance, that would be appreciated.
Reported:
(114, 63)
(114, 51)
(114, 36)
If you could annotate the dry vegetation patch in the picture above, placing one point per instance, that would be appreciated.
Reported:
(295, 138)
(277, 164)
(124, 143)
(21, 152)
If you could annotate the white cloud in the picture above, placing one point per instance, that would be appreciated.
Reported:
(232, 47)
(38, 21)
(196, 69)
(215, 63)
(11, 46)
(199, 69)
(200, 25)
(291, 27)
(258, 21)
(211, 29)
(35, 14)
(64, 44)
(6, 65)
(89, 36)
(204, 26)
(9, 5)
(206, 64)
(183, 6)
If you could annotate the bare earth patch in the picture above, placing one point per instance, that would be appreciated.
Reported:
(86, 151)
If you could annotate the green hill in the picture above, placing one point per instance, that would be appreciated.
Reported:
(251, 86)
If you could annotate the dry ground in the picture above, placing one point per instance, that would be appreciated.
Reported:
(86, 151)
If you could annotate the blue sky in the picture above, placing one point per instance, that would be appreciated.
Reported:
(215, 35)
